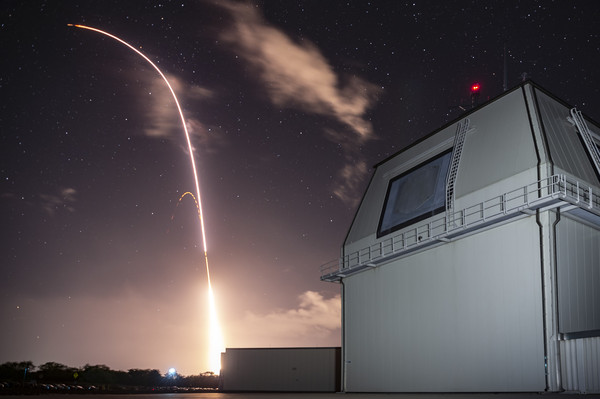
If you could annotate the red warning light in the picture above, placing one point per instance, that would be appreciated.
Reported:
(475, 88)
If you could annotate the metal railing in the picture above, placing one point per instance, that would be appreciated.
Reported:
(549, 192)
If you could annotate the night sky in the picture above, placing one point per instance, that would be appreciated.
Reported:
(290, 104)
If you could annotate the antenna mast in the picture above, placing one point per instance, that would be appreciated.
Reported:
(505, 83)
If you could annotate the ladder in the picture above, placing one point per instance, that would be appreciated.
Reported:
(577, 119)
(459, 140)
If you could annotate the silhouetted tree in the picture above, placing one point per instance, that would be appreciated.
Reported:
(98, 375)
(147, 378)
(56, 372)
(16, 371)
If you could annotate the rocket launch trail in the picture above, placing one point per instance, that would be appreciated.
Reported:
(216, 340)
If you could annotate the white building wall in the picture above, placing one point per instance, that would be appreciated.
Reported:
(465, 316)
(481, 312)
(499, 155)
(500, 147)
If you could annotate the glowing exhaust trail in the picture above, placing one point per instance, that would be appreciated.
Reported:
(216, 339)
(195, 202)
(179, 202)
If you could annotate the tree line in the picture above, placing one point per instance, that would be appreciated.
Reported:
(96, 377)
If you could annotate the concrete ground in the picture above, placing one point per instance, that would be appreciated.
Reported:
(400, 396)
(217, 395)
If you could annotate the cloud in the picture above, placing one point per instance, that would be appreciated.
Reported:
(315, 320)
(63, 200)
(207, 138)
(351, 178)
(163, 120)
(297, 75)
(162, 115)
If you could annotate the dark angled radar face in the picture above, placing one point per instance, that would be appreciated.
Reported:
(416, 191)
(415, 195)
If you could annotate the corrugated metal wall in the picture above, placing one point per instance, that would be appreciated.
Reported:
(565, 146)
(578, 276)
(580, 364)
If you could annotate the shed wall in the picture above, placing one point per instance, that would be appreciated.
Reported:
(281, 369)
(463, 317)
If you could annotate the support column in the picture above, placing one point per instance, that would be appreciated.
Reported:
(547, 221)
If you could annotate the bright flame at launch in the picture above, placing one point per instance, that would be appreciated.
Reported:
(216, 338)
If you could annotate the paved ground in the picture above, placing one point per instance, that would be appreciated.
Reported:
(214, 395)
(401, 396)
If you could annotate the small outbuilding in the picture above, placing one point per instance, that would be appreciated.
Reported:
(280, 369)
(473, 261)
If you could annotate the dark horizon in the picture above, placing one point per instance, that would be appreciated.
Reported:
(51, 378)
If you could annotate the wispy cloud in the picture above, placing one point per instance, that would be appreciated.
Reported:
(352, 175)
(297, 75)
(314, 320)
(62, 200)
(163, 119)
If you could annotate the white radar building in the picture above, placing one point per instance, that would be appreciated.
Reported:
(473, 261)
